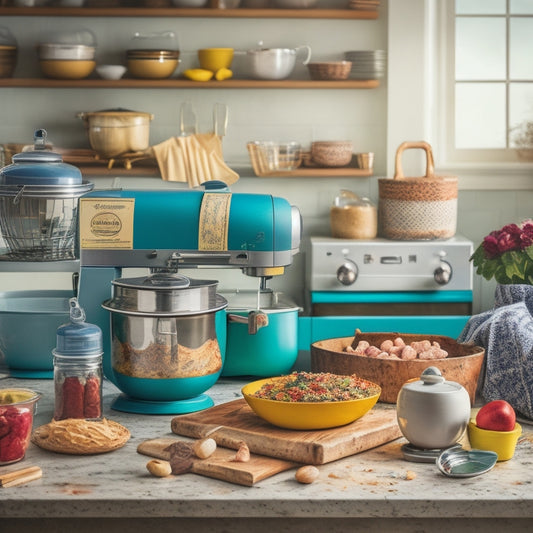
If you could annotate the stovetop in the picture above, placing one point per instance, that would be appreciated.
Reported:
(387, 265)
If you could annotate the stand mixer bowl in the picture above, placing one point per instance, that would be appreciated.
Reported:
(168, 336)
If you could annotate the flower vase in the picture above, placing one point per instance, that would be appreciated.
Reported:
(506, 334)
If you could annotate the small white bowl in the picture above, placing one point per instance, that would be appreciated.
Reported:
(111, 72)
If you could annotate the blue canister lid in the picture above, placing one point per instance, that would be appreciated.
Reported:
(78, 338)
(40, 167)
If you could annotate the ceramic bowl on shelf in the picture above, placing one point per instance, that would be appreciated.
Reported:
(111, 72)
(152, 68)
(214, 59)
(152, 64)
(67, 69)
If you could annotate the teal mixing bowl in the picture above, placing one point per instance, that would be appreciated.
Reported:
(28, 325)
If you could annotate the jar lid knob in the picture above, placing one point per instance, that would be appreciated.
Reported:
(77, 314)
(432, 375)
(39, 139)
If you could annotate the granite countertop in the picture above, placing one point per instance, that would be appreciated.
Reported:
(376, 484)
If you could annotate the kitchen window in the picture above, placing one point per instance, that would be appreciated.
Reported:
(489, 81)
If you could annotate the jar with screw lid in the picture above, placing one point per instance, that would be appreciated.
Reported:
(78, 368)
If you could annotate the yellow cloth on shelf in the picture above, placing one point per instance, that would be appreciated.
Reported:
(193, 159)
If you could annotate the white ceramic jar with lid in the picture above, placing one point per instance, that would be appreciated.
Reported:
(433, 413)
(352, 217)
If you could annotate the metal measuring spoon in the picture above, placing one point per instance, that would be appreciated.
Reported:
(458, 462)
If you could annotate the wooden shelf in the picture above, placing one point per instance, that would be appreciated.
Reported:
(90, 165)
(181, 83)
(342, 172)
(205, 12)
(150, 171)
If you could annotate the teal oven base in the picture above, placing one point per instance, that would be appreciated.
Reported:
(370, 314)
(312, 329)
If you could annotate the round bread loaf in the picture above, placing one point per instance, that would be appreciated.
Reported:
(81, 437)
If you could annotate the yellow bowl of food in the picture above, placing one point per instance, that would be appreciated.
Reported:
(501, 442)
(67, 69)
(306, 400)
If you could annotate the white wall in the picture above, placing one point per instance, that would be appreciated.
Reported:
(403, 108)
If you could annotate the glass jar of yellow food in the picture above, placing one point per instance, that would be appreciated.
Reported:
(353, 217)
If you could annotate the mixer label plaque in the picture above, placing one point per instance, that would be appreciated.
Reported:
(106, 223)
(214, 221)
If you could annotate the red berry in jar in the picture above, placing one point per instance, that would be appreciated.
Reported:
(16, 419)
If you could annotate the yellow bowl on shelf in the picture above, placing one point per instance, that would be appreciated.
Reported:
(501, 442)
(215, 58)
(307, 415)
(67, 69)
(152, 68)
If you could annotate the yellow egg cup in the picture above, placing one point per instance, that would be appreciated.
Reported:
(501, 442)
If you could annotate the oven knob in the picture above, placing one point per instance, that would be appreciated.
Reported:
(347, 273)
(443, 273)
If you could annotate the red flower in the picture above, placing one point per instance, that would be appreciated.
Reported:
(506, 254)
(507, 239)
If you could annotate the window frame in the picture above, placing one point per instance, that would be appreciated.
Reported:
(469, 156)
(417, 100)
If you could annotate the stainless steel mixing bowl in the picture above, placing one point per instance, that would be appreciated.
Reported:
(168, 336)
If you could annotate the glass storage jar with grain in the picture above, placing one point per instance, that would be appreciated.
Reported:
(353, 217)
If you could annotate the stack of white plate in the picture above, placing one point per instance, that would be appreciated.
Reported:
(367, 64)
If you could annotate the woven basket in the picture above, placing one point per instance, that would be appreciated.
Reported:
(329, 70)
(417, 208)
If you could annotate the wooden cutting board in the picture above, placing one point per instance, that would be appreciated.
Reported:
(234, 421)
(220, 465)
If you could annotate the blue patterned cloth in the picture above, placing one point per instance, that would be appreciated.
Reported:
(506, 333)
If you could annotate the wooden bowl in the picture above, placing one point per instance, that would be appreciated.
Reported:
(463, 364)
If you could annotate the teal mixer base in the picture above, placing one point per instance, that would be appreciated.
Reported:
(127, 404)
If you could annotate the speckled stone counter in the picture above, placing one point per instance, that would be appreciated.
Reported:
(375, 490)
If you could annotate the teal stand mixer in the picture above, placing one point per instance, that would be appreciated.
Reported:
(156, 329)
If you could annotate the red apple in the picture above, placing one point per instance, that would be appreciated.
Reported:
(497, 415)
